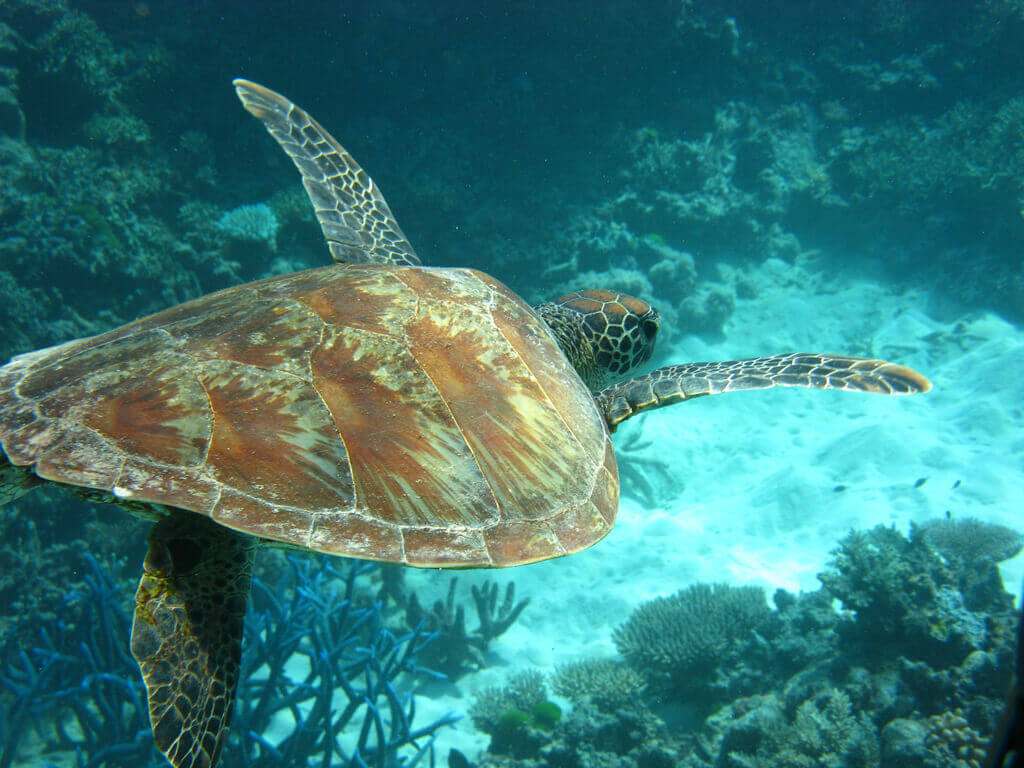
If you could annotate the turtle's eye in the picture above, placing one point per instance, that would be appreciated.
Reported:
(650, 324)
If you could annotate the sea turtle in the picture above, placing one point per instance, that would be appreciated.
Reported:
(375, 408)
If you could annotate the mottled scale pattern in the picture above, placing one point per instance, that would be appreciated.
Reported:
(407, 414)
(606, 334)
(676, 383)
(187, 633)
(353, 214)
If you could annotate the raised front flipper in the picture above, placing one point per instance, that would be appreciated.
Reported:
(352, 212)
(187, 633)
(676, 383)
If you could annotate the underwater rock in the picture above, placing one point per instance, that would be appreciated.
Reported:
(743, 725)
(707, 312)
(981, 671)
(902, 743)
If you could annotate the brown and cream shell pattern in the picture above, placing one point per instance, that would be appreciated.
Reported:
(407, 414)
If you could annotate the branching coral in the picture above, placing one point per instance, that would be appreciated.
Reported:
(458, 649)
(253, 223)
(607, 683)
(910, 599)
(78, 688)
(524, 692)
(344, 649)
(519, 717)
(307, 645)
(680, 639)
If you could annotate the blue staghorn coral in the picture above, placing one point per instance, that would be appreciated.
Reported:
(77, 693)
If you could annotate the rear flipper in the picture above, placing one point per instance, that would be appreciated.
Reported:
(15, 481)
(187, 633)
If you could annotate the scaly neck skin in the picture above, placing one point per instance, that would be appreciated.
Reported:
(568, 327)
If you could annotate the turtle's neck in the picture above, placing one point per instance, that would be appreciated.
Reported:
(568, 328)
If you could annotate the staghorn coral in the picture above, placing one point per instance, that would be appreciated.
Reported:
(645, 473)
(678, 640)
(78, 691)
(459, 650)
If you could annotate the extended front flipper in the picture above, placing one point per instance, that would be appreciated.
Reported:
(676, 383)
(187, 633)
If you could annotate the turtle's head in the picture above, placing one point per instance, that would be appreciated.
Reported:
(606, 335)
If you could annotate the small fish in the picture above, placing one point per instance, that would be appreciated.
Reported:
(1006, 750)
(458, 760)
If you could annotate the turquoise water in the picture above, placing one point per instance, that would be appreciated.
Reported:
(795, 577)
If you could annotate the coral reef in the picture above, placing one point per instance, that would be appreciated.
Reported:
(458, 649)
(77, 690)
(342, 647)
(518, 716)
(251, 223)
(951, 742)
(915, 601)
(823, 732)
(609, 684)
(677, 641)
(801, 685)
(523, 692)
(969, 542)
(696, 141)
(762, 145)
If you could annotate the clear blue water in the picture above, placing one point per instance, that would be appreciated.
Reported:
(773, 177)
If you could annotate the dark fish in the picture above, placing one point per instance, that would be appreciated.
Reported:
(458, 760)
(1006, 749)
